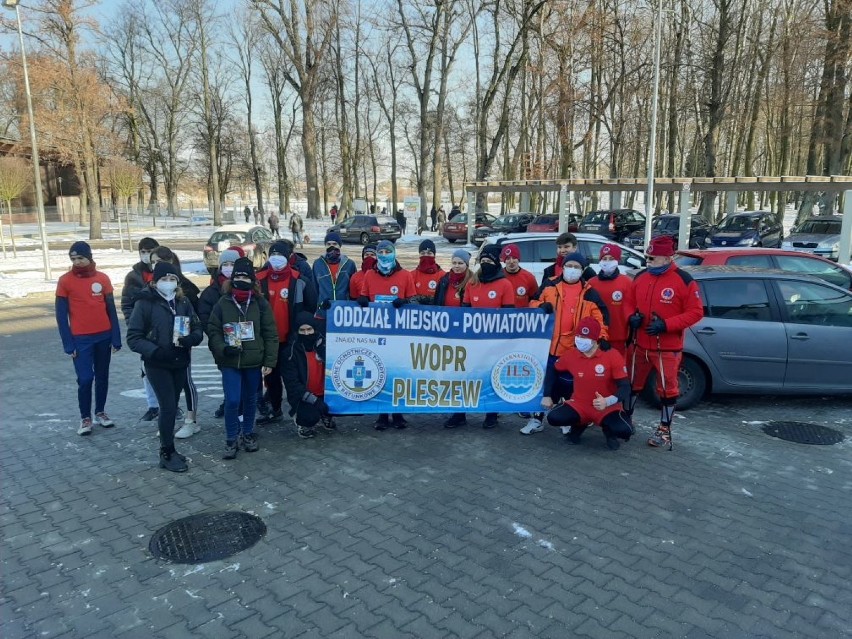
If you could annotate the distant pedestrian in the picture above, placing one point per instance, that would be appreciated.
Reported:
(442, 219)
(247, 213)
(88, 326)
(297, 228)
(162, 329)
(273, 225)
(433, 214)
(256, 215)
(400, 219)
(333, 213)
(454, 211)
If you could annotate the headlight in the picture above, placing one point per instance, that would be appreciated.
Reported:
(828, 244)
(748, 241)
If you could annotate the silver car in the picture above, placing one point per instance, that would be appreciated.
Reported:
(817, 235)
(766, 331)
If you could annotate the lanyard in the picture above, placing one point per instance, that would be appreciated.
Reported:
(243, 313)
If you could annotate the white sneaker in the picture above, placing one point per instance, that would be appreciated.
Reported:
(188, 429)
(533, 426)
(104, 420)
(85, 427)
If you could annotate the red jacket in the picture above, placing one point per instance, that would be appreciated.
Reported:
(617, 294)
(672, 296)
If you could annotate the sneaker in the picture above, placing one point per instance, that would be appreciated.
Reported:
(455, 421)
(533, 426)
(328, 423)
(490, 422)
(104, 420)
(231, 449)
(179, 415)
(249, 443)
(525, 415)
(662, 438)
(268, 418)
(573, 437)
(612, 443)
(399, 422)
(85, 427)
(306, 432)
(219, 413)
(173, 462)
(382, 423)
(150, 415)
(188, 429)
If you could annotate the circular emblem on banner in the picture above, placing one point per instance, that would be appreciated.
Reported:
(492, 295)
(617, 296)
(358, 374)
(394, 290)
(667, 293)
(522, 290)
(517, 377)
(599, 369)
(285, 293)
(97, 287)
(433, 285)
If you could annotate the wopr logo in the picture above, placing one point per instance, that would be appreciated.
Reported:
(358, 374)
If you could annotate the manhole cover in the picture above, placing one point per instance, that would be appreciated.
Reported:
(207, 537)
(803, 433)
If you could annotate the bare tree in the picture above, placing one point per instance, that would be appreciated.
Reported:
(15, 176)
(125, 179)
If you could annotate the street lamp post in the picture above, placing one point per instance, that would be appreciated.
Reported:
(13, 4)
(652, 142)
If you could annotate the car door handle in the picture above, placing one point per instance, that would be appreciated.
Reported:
(800, 336)
(706, 331)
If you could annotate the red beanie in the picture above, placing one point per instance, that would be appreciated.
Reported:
(510, 250)
(610, 249)
(589, 328)
(661, 246)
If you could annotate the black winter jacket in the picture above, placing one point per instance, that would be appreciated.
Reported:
(150, 327)
(134, 284)
(207, 300)
(294, 370)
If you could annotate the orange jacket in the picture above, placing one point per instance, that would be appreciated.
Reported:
(589, 305)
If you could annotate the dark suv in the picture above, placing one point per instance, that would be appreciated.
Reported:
(368, 229)
(669, 224)
(615, 224)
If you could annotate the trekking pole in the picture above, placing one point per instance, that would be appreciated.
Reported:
(654, 316)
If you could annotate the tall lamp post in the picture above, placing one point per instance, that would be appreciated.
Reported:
(13, 4)
(652, 142)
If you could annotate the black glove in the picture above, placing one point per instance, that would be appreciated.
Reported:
(547, 307)
(232, 351)
(635, 320)
(326, 304)
(322, 407)
(185, 341)
(399, 301)
(310, 398)
(604, 344)
(363, 300)
(656, 327)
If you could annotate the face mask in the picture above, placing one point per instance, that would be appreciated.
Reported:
(488, 269)
(242, 285)
(167, 288)
(609, 266)
(332, 255)
(583, 344)
(277, 262)
(145, 257)
(369, 262)
(386, 262)
(571, 275)
(309, 342)
(227, 271)
(658, 270)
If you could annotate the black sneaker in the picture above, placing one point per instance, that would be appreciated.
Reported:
(231, 449)
(455, 421)
(572, 437)
(150, 415)
(268, 418)
(170, 460)
(612, 443)
(399, 422)
(489, 423)
(219, 413)
(382, 423)
(249, 443)
(328, 423)
(306, 432)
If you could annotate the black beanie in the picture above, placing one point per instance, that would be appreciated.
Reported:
(164, 268)
(148, 244)
(81, 249)
(243, 266)
(281, 248)
(427, 245)
(368, 247)
(491, 251)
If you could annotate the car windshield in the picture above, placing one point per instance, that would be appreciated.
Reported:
(739, 223)
(820, 227)
(545, 219)
(508, 220)
(688, 260)
(666, 224)
(227, 236)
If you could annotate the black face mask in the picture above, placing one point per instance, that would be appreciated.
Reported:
(488, 269)
(242, 285)
(309, 342)
(332, 255)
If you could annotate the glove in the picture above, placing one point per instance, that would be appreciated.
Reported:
(635, 320)
(309, 397)
(656, 327)
(547, 307)
(322, 407)
(185, 341)
(604, 344)
(363, 300)
(399, 301)
(326, 304)
(232, 351)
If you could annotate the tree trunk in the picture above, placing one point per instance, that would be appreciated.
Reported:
(309, 150)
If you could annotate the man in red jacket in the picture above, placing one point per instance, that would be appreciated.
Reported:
(616, 291)
(667, 303)
(522, 281)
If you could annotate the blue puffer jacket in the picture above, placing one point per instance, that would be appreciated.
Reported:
(329, 288)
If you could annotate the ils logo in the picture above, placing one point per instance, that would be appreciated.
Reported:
(358, 374)
(667, 294)
(517, 377)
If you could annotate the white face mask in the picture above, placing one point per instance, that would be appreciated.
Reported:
(571, 275)
(277, 262)
(227, 271)
(145, 257)
(609, 266)
(167, 288)
(583, 344)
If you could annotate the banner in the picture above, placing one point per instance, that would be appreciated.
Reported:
(433, 359)
(411, 206)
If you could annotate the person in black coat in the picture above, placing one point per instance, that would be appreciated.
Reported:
(162, 329)
(303, 372)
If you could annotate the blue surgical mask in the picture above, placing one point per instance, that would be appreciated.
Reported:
(385, 262)
(583, 344)
(277, 262)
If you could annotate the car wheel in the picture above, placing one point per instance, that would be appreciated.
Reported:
(451, 241)
(692, 379)
(365, 239)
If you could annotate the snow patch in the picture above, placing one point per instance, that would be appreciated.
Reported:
(520, 531)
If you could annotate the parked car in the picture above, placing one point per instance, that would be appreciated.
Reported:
(254, 240)
(817, 235)
(614, 224)
(456, 229)
(766, 331)
(791, 261)
(368, 229)
(669, 224)
(510, 223)
(538, 251)
(749, 228)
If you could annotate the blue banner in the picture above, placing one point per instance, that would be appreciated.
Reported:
(434, 359)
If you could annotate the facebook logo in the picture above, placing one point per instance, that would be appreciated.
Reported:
(382, 341)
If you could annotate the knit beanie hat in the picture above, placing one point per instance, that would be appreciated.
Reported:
(661, 246)
(164, 268)
(426, 245)
(589, 327)
(80, 249)
(228, 255)
(463, 255)
(576, 257)
(369, 248)
(243, 266)
(333, 236)
(510, 250)
(281, 248)
(611, 249)
(492, 252)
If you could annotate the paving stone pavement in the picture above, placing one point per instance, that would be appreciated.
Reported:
(417, 533)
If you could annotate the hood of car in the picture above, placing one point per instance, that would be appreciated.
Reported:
(813, 238)
(734, 235)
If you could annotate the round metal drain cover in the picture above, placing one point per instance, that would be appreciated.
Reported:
(803, 433)
(207, 537)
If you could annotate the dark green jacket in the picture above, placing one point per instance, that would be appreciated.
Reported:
(262, 351)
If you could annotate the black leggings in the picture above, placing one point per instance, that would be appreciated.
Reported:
(167, 384)
(616, 424)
